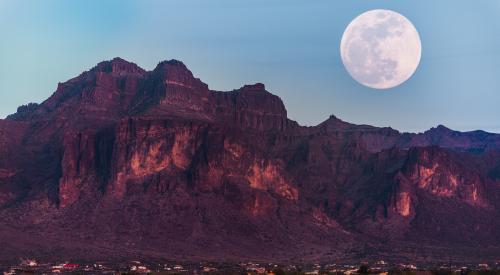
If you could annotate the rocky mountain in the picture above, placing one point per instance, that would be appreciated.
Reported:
(124, 163)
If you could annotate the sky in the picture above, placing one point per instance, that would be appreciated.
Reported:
(292, 46)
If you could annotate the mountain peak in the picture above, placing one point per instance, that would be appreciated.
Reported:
(172, 64)
(175, 74)
(335, 123)
(257, 87)
(160, 142)
(118, 66)
(439, 129)
(442, 127)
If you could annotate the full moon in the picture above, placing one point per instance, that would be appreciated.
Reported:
(381, 49)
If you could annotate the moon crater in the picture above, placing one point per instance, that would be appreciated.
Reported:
(380, 49)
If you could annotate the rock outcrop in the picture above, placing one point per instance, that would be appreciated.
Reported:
(123, 162)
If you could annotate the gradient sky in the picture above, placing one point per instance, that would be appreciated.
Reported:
(292, 46)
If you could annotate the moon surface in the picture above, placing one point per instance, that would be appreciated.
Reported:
(381, 49)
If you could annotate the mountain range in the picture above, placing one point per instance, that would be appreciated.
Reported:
(123, 163)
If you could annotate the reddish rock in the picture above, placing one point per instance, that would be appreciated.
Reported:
(122, 162)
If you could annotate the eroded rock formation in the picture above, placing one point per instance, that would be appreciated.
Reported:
(123, 162)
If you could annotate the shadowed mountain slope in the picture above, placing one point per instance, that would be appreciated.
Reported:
(121, 162)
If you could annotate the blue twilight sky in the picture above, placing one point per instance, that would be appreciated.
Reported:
(290, 45)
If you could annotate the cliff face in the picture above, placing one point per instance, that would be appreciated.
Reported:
(156, 164)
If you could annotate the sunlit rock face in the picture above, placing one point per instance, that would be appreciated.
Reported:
(434, 171)
(403, 204)
(271, 177)
(124, 159)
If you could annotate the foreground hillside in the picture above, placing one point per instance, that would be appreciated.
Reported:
(121, 162)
